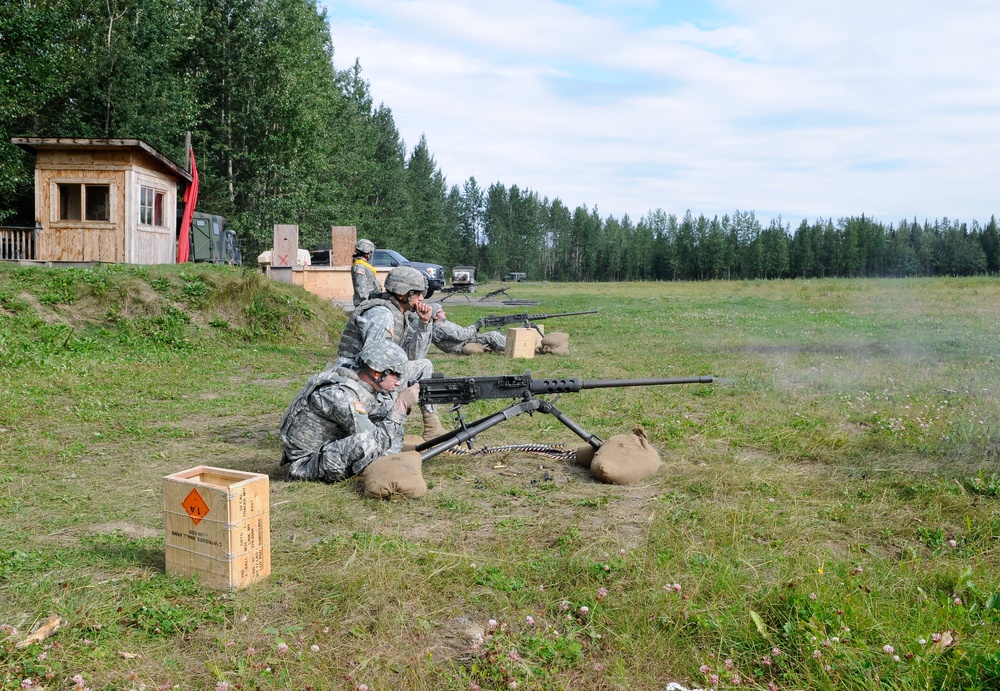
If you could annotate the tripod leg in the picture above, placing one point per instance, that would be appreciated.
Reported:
(559, 415)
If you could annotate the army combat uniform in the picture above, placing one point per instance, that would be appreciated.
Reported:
(380, 318)
(365, 281)
(336, 426)
(452, 338)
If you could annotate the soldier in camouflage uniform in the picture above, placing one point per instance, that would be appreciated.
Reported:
(463, 340)
(345, 418)
(383, 316)
(363, 273)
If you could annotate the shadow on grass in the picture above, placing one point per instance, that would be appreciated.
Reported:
(117, 550)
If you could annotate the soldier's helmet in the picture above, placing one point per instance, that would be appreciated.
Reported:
(403, 279)
(365, 246)
(382, 355)
(436, 309)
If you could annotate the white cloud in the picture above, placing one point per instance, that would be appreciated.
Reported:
(803, 109)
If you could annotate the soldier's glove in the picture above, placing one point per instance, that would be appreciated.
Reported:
(406, 398)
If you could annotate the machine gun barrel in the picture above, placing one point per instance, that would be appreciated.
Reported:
(464, 390)
(504, 319)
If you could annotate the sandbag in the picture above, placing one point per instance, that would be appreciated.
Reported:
(397, 475)
(556, 343)
(473, 349)
(412, 441)
(584, 455)
(626, 459)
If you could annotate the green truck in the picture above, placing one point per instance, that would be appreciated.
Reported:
(211, 241)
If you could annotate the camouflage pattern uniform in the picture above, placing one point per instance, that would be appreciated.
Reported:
(380, 317)
(366, 283)
(451, 338)
(336, 426)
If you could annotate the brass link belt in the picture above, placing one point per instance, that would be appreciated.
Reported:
(555, 451)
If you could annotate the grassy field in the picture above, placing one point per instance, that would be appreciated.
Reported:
(827, 516)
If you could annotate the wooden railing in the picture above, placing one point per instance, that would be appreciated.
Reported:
(17, 243)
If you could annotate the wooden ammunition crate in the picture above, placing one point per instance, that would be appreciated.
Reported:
(217, 524)
(521, 342)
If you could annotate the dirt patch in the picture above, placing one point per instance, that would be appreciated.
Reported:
(131, 529)
(540, 500)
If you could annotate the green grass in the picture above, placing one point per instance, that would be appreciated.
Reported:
(835, 491)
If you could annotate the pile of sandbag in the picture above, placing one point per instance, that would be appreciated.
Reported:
(624, 459)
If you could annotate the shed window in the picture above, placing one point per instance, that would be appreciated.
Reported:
(151, 206)
(94, 201)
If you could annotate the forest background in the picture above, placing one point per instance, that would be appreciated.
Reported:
(281, 135)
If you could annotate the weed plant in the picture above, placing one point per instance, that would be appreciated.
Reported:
(826, 518)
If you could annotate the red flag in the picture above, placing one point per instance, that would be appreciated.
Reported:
(190, 199)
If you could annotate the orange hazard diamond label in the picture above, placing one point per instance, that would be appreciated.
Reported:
(195, 506)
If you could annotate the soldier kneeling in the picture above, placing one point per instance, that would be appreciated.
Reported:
(345, 418)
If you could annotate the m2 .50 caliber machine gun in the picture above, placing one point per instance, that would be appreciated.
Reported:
(525, 319)
(460, 391)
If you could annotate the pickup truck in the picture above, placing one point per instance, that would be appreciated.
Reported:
(433, 272)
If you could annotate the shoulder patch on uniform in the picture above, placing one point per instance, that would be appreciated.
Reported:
(359, 407)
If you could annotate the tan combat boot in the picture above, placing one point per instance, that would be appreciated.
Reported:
(432, 425)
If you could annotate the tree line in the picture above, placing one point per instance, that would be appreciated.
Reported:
(282, 135)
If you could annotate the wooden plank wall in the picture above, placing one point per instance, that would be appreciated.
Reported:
(152, 244)
(342, 242)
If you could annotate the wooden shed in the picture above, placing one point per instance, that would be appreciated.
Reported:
(104, 200)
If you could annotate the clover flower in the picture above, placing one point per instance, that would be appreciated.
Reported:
(888, 649)
(602, 593)
(282, 648)
(584, 611)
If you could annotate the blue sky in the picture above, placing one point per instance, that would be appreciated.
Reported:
(791, 108)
